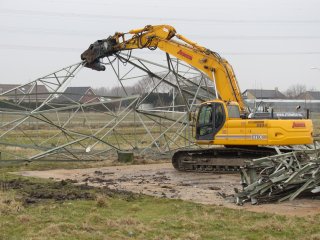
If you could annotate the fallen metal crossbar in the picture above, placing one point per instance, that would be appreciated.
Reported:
(281, 177)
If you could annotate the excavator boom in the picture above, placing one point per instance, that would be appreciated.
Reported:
(162, 37)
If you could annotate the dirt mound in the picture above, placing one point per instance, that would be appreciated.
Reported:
(33, 192)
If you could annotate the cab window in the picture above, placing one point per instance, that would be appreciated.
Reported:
(205, 120)
(210, 121)
(205, 115)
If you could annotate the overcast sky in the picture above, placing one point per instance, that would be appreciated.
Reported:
(269, 43)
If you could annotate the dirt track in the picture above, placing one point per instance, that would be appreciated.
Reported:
(162, 180)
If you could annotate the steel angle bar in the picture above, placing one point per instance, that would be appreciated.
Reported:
(255, 190)
(13, 105)
(161, 80)
(171, 140)
(67, 131)
(301, 189)
(17, 123)
(177, 81)
(298, 173)
(40, 155)
(152, 113)
(123, 138)
(155, 110)
(245, 179)
(164, 109)
(91, 104)
(196, 94)
(27, 136)
(278, 172)
(27, 146)
(134, 99)
(63, 147)
(280, 178)
(188, 80)
(62, 128)
(152, 74)
(86, 118)
(161, 124)
(154, 140)
(13, 121)
(177, 134)
(183, 126)
(117, 73)
(111, 129)
(142, 60)
(149, 133)
(72, 73)
(128, 72)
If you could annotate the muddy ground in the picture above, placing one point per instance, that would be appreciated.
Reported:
(161, 180)
(32, 192)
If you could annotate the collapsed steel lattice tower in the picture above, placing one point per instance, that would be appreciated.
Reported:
(36, 126)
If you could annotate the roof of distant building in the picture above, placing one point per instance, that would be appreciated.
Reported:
(315, 95)
(73, 94)
(34, 91)
(266, 94)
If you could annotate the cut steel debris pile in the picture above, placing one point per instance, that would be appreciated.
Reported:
(280, 177)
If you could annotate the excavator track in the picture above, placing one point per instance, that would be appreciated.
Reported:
(217, 160)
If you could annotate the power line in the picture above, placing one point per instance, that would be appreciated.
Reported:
(38, 48)
(63, 32)
(5, 47)
(271, 53)
(202, 20)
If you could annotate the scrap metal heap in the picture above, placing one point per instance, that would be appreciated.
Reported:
(281, 177)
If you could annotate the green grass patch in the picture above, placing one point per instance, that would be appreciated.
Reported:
(62, 210)
(33, 208)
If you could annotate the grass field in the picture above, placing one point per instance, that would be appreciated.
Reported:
(35, 136)
(126, 216)
(42, 209)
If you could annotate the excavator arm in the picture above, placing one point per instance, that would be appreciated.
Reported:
(162, 37)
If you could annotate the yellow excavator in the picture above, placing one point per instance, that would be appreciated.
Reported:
(222, 121)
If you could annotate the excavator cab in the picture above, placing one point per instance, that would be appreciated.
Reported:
(211, 118)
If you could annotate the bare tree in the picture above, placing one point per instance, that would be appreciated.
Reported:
(145, 85)
(295, 90)
(312, 89)
(117, 91)
(102, 91)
